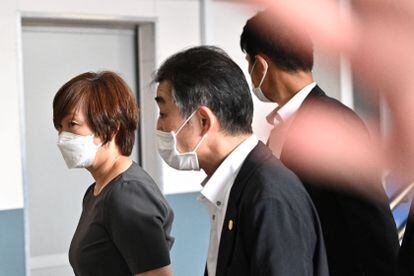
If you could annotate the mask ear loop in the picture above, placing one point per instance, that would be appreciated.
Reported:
(264, 75)
(92, 138)
(202, 139)
(251, 70)
(185, 122)
(199, 143)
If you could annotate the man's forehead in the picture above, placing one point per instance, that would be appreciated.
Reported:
(164, 89)
(163, 92)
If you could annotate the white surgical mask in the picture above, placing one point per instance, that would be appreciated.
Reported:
(78, 151)
(257, 90)
(167, 148)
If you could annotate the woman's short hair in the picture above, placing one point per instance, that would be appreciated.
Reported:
(108, 104)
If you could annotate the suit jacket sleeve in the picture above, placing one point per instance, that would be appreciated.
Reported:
(281, 240)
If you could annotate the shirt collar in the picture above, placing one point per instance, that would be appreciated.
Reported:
(216, 186)
(284, 112)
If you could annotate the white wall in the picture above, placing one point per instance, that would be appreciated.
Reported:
(177, 27)
(225, 24)
(222, 27)
(173, 32)
(182, 30)
(11, 189)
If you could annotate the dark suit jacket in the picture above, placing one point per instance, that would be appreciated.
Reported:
(406, 254)
(271, 226)
(358, 228)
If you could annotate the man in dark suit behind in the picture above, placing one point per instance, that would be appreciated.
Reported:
(406, 259)
(324, 143)
(262, 220)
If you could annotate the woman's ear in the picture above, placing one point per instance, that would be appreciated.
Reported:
(207, 118)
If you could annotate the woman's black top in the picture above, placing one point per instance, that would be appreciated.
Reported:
(125, 230)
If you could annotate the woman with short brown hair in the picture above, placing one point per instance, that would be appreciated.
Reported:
(125, 224)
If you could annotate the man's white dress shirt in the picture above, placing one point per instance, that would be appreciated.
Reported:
(215, 195)
(281, 117)
(284, 112)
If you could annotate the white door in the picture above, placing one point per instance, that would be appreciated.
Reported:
(51, 56)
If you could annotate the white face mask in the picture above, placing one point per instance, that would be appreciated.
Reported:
(257, 90)
(167, 148)
(78, 151)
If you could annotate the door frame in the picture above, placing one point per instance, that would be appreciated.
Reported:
(145, 48)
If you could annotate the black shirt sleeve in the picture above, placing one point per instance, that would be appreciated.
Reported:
(136, 216)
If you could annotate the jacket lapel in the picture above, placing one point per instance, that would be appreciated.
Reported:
(230, 224)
